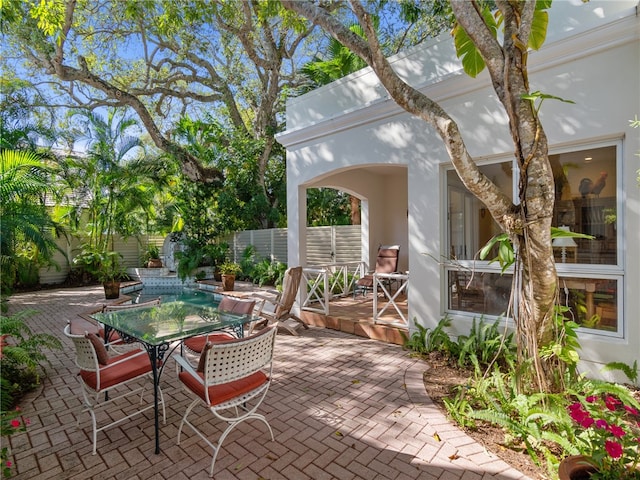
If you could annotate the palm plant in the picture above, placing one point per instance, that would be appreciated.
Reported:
(25, 221)
(117, 181)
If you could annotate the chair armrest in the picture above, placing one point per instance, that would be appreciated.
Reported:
(124, 360)
(184, 363)
(257, 310)
(272, 300)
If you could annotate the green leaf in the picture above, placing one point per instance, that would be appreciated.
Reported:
(538, 29)
(489, 245)
(557, 233)
(472, 61)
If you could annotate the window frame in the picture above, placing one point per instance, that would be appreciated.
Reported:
(586, 271)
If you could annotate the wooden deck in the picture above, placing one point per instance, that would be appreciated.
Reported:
(355, 316)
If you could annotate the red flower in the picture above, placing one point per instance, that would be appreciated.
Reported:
(616, 431)
(631, 410)
(611, 403)
(602, 424)
(592, 399)
(15, 423)
(614, 449)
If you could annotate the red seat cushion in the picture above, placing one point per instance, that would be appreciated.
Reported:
(366, 281)
(196, 344)
(226, 391)
(136, 364)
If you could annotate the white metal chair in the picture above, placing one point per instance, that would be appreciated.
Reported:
(239, 306)
(231, 381)
(81, 325)
(100, 374)
(114, 337)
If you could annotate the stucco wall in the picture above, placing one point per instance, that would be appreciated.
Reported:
(591, 57)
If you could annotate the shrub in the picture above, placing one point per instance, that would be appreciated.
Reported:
(22, 360)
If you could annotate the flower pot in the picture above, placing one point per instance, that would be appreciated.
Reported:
(576, 467)
(154, 263)
(111, 289)
(228, 282)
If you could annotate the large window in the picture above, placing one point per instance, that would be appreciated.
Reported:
(589, 269)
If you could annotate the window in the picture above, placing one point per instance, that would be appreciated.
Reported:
(590, 275)
(586, 203)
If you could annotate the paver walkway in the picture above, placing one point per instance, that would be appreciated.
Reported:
(341, 407)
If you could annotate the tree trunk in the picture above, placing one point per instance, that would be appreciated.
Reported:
(527, 223)
(355, 210)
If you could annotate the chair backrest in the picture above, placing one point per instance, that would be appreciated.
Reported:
(86, 356)
(387, 259)
(114, 308)
(290, 285)
(235, 359)
(238, 306)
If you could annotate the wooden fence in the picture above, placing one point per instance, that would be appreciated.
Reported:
(325, 245)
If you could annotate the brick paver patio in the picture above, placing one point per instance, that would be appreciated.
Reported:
(341, 407)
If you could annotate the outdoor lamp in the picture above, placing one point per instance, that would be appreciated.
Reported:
(564, 243)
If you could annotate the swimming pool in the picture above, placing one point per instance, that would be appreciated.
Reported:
(194, 296)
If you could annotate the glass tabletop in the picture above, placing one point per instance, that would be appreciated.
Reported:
(170, 321)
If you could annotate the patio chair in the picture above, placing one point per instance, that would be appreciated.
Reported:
(282, 317)
(101, 373)
(231, 381)
(386, 262)
(113, 336)
(82, 325)
(229, 304)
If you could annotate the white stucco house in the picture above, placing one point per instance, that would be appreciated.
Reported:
(351, 136)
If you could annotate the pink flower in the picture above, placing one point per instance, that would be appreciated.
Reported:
(15, 423)
(602, 424)
(587, 421)
(9, 463)
(27, 421)
(575, 406)
(616, 431)
(614, 449)
(611, 403)
(592, 399)
(631, 410)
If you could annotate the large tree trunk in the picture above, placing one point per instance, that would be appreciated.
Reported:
(528, 223)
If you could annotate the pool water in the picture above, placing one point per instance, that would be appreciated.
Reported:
(192, 296)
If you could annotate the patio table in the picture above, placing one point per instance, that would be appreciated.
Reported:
(163, 327)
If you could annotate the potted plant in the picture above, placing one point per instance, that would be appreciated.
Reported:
(151, 258)
(110, 272)
(228, 272)
(607, 433)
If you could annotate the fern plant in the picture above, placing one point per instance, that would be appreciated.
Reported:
(630, 371)
(485, 345)
(424, 340)
(22, 360)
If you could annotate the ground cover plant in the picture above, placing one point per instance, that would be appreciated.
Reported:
(22, 367)
(531, 432)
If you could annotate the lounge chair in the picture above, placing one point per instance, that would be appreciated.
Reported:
(282, 317)
(386, 262)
